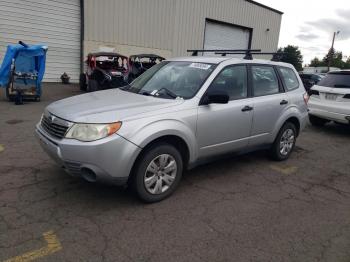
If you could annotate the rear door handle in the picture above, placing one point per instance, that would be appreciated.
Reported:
(283, 102)
(247, 108)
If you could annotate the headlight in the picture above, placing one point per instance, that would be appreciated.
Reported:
(91, 132)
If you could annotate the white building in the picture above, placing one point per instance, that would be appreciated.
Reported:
(72, 28)
(319, 69)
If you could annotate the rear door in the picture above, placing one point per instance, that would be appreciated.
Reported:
(224, 128)
(269, 100)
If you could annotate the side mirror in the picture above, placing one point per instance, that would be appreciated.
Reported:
(215, 97)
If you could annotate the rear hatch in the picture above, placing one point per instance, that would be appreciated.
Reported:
(333, 91)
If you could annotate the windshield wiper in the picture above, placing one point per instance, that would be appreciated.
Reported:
(145, 93)
(167, 92)
(341, 86)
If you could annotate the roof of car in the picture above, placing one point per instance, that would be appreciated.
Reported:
(308, 74)
(105, 54)
(147, 55)
(219, 59)
(343, 71)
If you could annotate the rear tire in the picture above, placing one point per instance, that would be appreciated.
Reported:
(82, 82)
(317, 121)
(92, 85)
(284, 143)
(161, 165)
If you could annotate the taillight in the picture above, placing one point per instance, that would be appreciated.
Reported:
(306, 98)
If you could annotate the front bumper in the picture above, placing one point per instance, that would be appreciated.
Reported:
(335, 112)
(110, 159)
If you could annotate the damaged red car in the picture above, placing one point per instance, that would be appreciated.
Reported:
(104, 70)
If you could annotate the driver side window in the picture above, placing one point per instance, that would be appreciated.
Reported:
(233, 81)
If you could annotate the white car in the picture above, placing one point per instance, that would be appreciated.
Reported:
(330, 99)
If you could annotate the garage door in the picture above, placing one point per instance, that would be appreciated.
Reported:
(55, 23)
(224, 36)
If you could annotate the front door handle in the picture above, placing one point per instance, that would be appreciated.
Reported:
(247, 108)
(283, 102)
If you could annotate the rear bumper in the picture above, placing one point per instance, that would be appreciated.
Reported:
(336, 111)
(110, 159)
(341, 118)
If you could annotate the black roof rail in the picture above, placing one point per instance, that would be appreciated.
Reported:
(223, 52)
(249, 55)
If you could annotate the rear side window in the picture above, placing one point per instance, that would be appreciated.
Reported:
(289, 78)
(265, 81)
(337, 80)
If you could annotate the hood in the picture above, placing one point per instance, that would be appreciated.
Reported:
(107, 106)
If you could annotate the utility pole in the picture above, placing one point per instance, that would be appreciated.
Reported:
(330, 58)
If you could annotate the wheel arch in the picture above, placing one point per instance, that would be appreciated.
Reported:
(294, 120)
(292, 117)
(178, 142)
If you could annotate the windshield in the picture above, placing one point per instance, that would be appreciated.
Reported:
(338, 80)
(172, 79)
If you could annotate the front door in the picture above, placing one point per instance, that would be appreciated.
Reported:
(222, 128)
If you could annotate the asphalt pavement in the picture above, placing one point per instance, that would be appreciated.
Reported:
(243, 208)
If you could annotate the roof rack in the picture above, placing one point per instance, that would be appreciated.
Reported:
(276, 56)
(223, 52)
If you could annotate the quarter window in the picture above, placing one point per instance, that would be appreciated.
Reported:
(289, 78)
(265, 81)
(233, 81)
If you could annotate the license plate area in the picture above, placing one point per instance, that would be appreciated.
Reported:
(330, 96)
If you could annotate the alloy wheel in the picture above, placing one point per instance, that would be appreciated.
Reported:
(287, 141)
(160, 174)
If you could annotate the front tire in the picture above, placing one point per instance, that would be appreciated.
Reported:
(82, 82)
(157, 173)
(317, 121)
(92, 85)
(284, 142)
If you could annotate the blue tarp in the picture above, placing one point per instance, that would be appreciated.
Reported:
(28, 59)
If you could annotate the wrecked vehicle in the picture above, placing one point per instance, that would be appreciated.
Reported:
(140, 63)
(104, 70)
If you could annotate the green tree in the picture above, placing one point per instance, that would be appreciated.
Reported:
(347, 63)
(317, 62)
(334, 58)
(291, 54)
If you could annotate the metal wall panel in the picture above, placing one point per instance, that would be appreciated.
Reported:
(52, 22)
(171, 27)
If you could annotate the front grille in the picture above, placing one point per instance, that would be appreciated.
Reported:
(54, 129)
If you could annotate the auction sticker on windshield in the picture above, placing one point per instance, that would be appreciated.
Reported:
(200, 66)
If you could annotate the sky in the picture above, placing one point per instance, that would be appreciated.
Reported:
(310, 24)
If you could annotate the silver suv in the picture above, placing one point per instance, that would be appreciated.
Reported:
(179, 113)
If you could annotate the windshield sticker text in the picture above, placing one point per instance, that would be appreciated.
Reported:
(200, 66)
